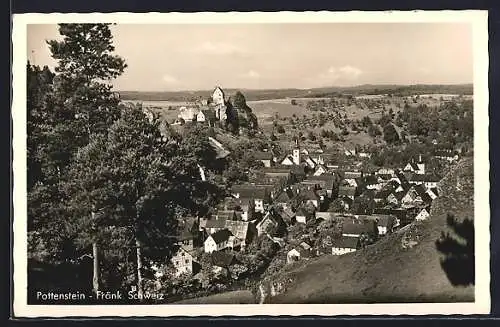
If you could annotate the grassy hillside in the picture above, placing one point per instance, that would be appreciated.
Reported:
(390, 270)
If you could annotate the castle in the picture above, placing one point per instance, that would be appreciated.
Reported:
(210, 111)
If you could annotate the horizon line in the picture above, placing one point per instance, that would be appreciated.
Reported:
(304, 89)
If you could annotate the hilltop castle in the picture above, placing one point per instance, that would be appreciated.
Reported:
(212, 110)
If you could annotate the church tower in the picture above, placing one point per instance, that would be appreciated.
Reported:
(296, 156)
(421, 165)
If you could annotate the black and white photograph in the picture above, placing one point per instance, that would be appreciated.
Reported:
(244, 163)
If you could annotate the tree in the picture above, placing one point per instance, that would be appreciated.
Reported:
(390, 134)
(63, 110)
(337, 205)
(86, 65)
(39, 84)
(142, 181)
(280, 129)
(239, 101)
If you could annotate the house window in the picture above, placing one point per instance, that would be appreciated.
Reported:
(186, 261)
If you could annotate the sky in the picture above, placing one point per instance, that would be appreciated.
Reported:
(172, 57)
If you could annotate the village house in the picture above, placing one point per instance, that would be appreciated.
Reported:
(243, 207)
(309, 161)
(346, 244)
(385, 171)
(268, 224)
(303, 216)
(260, 195)
(347, 191)
(385, 223)
(416, 196)
(327, 215)
(217, 241)
(352, 174)
(283, 199)
(403, 181)
(371, 182)
(417, 168)
(182, 260)
(433, 193)
(423, 214)
(206, 116)
(302, 251)
(401, 214)
(293, 159)
(277, 172)
(188, 114)
(309, 197)
(357, 227)
(265, 157)
(242, 232)
(287, 215)
(320, 170)
(213, 225)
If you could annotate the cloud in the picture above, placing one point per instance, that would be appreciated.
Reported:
(343, 75)
(169, 79)
(218, 48)
(350, 71)
(251, 74)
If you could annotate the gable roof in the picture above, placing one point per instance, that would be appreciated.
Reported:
(215, 223)
(250, 191)
(219, 149)
(221, 236)
(400, 213)
(370, 180)
(302, 211)
(308, 194)
(288, 156)
(186, 227)
(268, 220)
(238, 228)
(345, 190)
(384, 220)
(225, 214)
(277, 170)
(326, 215)
(358, 227)
(352, 174)
(349, 242)
(262, 155)
(285, 196)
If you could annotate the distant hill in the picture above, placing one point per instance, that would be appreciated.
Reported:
(252, 95)
(389, 270)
